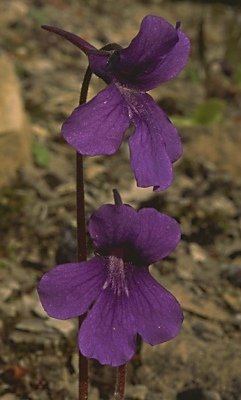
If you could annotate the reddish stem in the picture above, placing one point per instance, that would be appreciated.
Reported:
(81, 237)
(120, 383)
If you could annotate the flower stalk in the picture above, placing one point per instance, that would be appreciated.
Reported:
(120, 383)
(81, 236)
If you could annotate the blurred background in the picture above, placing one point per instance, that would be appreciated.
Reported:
(40, 77)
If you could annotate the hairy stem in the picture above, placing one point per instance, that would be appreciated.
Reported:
(81, 236)
(120, 383)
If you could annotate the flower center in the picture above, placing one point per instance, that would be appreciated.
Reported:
(116, 279)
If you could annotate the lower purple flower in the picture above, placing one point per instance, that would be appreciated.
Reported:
(115, 287)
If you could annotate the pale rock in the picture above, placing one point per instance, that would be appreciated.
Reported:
(9, 396)
(7, 291)
(38, 310)
(39, 131)
(94, 394)
(197, 253)
(137, 392)
(31, 302)
(223, 204)
(12, 11)
(32, 325)
(15, 142)
(43, 339)
(64, 327)
(232, 300)
(211, 395)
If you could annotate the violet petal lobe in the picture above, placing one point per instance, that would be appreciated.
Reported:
(149, 160)
(155, 143)
(68, 290)
(158, 53)
(138, 61)
(158, 315)
(113, 225)
(144, 107)
(159, 234)
(170, 66)
(107, 333)
(98, 126)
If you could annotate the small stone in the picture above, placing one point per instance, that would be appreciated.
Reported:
(64, 327)
(5, 293)
(237, 321)
(233, 301)
(224, 205)
(38, 310)
(232, 273)
(211, 395)
(34, 340)
(39, 131)
(10, 287)
(8, 396)
(197, 253)
(14, 131)
(205, 308)
(31, 325)
(93, 394)
(9, 309)
(31, 302)
(137, 392)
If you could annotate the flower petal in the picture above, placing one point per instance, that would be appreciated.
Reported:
(98, 126)
(158, 53)
(149, 159)
(109, 331)
(159, 234)
(113, 225)
(98, 62)
(170, 66)
(68, 290)
(158, 315)
(154, 40)
(107, 334)
(155, 143)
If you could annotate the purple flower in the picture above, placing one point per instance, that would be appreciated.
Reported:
(158, 53)
(115, 287)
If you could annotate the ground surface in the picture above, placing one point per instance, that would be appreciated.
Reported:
(38, 358)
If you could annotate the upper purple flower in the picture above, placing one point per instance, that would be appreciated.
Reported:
(115, 287)
(158, 53)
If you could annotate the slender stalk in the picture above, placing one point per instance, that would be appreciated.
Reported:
(120, 383)
(121, 372)
(81, 241)
(81, 237)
